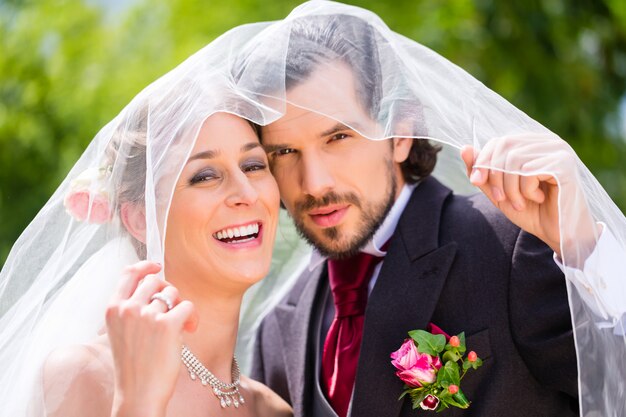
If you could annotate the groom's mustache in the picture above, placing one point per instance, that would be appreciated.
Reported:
(309, 202)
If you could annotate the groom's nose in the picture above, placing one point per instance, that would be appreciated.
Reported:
(317, 178)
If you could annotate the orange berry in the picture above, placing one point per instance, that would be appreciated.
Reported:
(453, 389)
(454, 341)
(472, 356)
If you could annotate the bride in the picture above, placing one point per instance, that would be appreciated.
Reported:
(123, 296)
(221, 226)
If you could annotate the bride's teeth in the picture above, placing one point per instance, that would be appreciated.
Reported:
(241, 232)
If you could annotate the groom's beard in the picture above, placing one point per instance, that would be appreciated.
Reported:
(338, 243)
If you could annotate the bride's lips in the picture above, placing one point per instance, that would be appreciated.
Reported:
(329, 216)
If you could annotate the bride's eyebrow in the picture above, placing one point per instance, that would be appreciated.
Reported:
(211, 154)
(250, 145)
(204, 155)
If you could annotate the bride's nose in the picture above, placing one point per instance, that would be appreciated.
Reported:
(241, 191)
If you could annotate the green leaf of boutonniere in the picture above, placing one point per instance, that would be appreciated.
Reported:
(449, 374)
(428, 343)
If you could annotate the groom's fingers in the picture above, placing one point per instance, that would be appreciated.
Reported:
(132, 275)
(531, 188)
(496, 185)
(477, 176)
(467, 155)
(512, 191)
(480, 175)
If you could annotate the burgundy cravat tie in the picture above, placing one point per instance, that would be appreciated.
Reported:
(349, 279)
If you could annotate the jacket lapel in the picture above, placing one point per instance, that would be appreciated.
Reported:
(295, 319)
(404, 298)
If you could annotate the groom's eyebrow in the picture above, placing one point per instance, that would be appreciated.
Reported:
(273, 148)
(339, 127)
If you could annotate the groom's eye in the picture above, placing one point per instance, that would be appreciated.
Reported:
(285, 151)
(339, 136)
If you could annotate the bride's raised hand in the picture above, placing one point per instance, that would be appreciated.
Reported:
(145, 334)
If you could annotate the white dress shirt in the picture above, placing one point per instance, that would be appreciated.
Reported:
(602, 281)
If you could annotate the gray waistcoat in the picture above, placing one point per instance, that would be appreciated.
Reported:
(321, 407)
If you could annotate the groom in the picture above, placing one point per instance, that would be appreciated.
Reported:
(414, 254)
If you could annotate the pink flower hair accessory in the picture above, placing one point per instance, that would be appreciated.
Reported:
(88, 198)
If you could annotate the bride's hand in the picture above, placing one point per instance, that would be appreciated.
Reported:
(146, 340)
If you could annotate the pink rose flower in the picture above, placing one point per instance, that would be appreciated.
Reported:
(415, 369)
(77, 205)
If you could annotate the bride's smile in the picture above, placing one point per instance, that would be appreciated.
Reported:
(236, 235)
(224, 211)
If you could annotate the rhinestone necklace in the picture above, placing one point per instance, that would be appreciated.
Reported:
(227, 393)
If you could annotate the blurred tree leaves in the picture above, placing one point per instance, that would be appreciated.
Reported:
(68, 66)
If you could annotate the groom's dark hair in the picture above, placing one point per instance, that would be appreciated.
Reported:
(316, 40)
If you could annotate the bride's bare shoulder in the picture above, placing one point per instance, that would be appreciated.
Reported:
(266, 402)
(86, 359)
(79, 376)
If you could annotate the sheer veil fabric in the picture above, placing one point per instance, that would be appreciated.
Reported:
(61, 271)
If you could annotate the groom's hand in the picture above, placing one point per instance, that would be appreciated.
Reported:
(528, 192)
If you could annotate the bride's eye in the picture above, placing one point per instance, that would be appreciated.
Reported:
(254, 165)
(203, 176)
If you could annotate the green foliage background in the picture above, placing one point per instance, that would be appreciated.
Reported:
(68, 66)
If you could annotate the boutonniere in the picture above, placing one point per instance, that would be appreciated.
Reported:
(432, 364)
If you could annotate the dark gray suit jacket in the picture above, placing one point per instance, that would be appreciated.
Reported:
(459, 263)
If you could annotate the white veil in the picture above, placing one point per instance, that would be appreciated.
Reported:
(57, 263)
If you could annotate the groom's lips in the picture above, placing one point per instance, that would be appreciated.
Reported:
(329, 216)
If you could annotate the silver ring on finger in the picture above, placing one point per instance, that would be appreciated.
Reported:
(164, 299)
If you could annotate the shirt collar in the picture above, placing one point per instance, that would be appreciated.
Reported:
(384, 232)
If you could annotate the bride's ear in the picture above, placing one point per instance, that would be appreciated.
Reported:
(134, 219)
